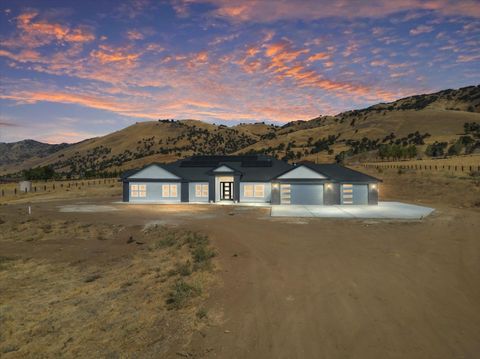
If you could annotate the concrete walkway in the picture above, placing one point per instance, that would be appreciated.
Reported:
(385, 210)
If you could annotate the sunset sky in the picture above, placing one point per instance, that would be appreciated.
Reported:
(71, 70)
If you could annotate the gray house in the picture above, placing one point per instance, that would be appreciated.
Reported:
(248, 179)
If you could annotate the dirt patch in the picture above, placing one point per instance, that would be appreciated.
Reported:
(140, 297)
(87, 208)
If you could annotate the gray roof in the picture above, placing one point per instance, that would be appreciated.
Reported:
(339, 173)
(252, 168)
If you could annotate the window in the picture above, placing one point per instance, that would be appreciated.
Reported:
(169, 190)
(248, 190)
(257, 190)
(201, 190)
(138, 190)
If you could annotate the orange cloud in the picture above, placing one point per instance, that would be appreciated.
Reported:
(107, 54)
(35, 34)
(318, 56)
(269, 11)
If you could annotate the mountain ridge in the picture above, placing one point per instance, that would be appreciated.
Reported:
(419, 120)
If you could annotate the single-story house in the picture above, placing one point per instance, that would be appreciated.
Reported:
(248, 179)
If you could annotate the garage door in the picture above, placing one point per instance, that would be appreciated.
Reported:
(354, 194)
(308, 194)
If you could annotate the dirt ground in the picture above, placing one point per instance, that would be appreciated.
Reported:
(280, 287)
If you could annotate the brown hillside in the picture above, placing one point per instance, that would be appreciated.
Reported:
(434, 117)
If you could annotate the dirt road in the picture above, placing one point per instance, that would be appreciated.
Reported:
(336, 289)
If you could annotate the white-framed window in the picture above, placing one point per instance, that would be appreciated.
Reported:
(169, 190)
(259, 191)
(248, 190)
(201, 190)
(138, 190)
(251, 190)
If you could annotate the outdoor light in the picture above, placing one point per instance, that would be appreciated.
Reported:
(329, 186)
(275, 185)
(374, 186)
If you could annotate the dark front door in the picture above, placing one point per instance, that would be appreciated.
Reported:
(226, 190)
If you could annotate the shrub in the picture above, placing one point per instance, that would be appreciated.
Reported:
(201, 313)
(180, 293)
(184, 269)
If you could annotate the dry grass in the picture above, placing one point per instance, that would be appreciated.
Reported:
(60, 189)
(117, 306)
(471, 160)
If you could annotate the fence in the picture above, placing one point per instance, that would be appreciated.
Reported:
(425, 167)
(12, 189)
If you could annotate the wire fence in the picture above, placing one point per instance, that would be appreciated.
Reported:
(14, 189)
(425, 167)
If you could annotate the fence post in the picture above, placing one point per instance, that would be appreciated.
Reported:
(45, 187)
(35, 189)
(53, 186)
(15, 191)
(462, 168)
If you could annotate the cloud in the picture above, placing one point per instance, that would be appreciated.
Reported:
(106, 54)
(135, 35)
(468, 58)
(34, 33)
(318, 56)
(270, 11)
(422, 29)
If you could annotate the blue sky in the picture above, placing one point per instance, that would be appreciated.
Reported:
(71, 70)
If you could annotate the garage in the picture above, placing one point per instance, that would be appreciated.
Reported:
(354, 194)
(307, 194)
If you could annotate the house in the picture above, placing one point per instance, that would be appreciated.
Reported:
(248, 179)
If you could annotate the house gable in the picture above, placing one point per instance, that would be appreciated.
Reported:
(302, 172)
(153, 172)
(223, 168)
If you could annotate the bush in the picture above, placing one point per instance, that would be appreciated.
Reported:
(184, 269)
(180, 294)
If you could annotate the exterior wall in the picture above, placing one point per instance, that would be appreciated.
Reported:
(275, 194)
(211, 189)
(265, 199)
(184, 192)
(154, 192)
(191, 193)
(331, 194)
(373, 193)
(126, 192)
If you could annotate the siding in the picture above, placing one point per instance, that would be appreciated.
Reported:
(266, 198)
(154, 192)
(191, 192)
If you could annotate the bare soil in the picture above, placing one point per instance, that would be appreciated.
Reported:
(283, 288)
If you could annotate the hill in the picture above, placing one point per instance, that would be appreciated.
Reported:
(422, 125)
(17, 152)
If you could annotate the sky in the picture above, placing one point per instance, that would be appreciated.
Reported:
(71, 70)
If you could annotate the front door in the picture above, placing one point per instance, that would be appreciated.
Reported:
(226, 191)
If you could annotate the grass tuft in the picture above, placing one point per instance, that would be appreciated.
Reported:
(180, 293)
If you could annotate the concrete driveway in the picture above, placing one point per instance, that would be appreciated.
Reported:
(385, 210)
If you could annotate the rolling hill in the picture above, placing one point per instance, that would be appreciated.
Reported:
(419, 121)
